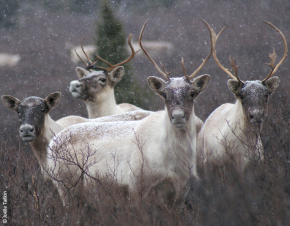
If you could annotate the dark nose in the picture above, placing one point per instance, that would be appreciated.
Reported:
(26, 129)
(256, 116)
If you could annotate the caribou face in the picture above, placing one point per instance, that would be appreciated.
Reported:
(91, 84)
(31, 112)
(179, 94)
(254, 96)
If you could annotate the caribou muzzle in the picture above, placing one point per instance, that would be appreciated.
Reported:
(27, 132)
(178, 117)
(256, 117)
(75, 88)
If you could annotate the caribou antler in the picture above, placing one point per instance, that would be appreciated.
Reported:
(235, 68)
(111, 66)
(273, 56)
(89, 66)
(203, 60)
(165, 73)
(215, 38)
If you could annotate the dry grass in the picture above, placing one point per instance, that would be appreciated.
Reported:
(224, 196)
(260, 195)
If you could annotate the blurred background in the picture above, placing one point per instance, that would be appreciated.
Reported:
(37, 39)
(41, 36)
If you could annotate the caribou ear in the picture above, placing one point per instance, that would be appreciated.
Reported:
(52, 100)
(200, 83)
(235, 86)
(272, 84)
(81, 72)
(157, 85)
(117, 74)
(11, 102)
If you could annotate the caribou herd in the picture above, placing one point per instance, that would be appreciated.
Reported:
(144, 150)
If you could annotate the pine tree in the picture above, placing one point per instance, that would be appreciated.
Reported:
(8, 13)
(111, 46)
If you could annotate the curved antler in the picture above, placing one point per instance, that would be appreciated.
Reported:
(89, 66)
(183, 68)
(235, 68)
(111, 66)
(203, 61)
(215, 38)
(165, 73)
(274, 55)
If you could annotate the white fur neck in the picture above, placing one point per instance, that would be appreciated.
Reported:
(103, 105)
(182, 141)
(40, 143)
(241, 126)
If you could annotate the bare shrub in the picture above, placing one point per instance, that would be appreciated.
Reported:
(225, 196)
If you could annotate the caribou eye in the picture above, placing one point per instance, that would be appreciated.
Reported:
(192, 94)
(43, 110)
(102, 79)
(164, 95)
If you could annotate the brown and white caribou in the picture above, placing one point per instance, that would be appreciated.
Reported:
(233, 130)
(160, 147)
(95, 86)
(37, 127)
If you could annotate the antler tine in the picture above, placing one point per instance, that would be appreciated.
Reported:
(183, 68)
(168, 73)
(165, 75)
(211, 52)
(274, 55)
(85, 52)
(214, 39)
(273, 58)
(112, 66)
(81, 58)
(132, 50)
(235, 68)
(88, 65)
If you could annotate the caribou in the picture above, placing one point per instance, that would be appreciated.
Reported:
(140, 155)
(233, 130)
(37, 127)
(95, 86)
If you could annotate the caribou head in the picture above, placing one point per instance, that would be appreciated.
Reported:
(253, 95)
(178, 92)
(31, 112)
(94, 80)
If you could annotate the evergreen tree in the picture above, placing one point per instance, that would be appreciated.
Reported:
(111, 46)
(8, 12)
